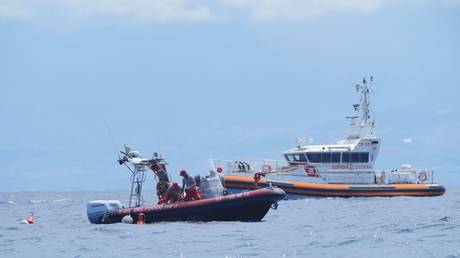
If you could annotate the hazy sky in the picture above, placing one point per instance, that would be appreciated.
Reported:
(225, 78)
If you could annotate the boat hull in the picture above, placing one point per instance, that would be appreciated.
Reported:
(296, 189)
(245, 206)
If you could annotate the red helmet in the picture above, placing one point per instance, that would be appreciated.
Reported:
(183, 173)
(175, 185)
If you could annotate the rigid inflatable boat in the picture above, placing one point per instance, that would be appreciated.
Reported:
(245, 206)
(216, 204)
(343, 169)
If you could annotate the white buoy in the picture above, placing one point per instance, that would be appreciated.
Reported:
(127, 219)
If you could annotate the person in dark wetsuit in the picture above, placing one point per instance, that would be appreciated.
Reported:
(163, 179)
(189, 185)
(172, 194)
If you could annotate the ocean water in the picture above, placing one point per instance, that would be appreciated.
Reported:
(326, 227)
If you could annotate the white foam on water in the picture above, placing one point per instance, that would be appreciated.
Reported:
(37, 201)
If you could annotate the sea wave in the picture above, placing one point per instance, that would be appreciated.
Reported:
(315, 227)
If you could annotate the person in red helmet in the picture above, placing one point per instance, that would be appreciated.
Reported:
(141, 219)
(172, 194)
(189, 186)
(30, 219)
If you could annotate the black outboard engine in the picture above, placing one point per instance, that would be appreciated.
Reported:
(99, 209)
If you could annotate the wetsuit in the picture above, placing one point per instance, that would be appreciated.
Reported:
(162, 175)
(163, 183)
(172, 195)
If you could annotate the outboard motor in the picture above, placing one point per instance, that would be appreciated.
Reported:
(97, 210)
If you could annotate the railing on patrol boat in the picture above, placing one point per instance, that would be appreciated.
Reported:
(403, 175)
(247, 165)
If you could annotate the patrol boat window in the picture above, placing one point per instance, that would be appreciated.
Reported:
(335, 157)
(314, 157)
(296, 157)
(303, 157)
(326, 157)
(364, 157)
(355, 157)
(345, 157)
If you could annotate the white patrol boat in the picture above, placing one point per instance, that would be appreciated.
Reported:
(343, 169)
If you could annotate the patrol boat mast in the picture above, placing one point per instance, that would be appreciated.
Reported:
(367, 116)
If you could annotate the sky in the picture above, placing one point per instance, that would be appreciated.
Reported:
(226, 78)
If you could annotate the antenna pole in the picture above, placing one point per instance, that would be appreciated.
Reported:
(367, 120)
(109, 133)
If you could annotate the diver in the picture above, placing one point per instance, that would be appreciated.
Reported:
(163, 183)
(140, 219)
(172, 194)
(163, 177)
(189, 186)
(29, 219)
(257, 177)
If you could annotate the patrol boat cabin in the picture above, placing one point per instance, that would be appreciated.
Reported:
(349, 161)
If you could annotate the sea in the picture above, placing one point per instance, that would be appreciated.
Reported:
(310, 227)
